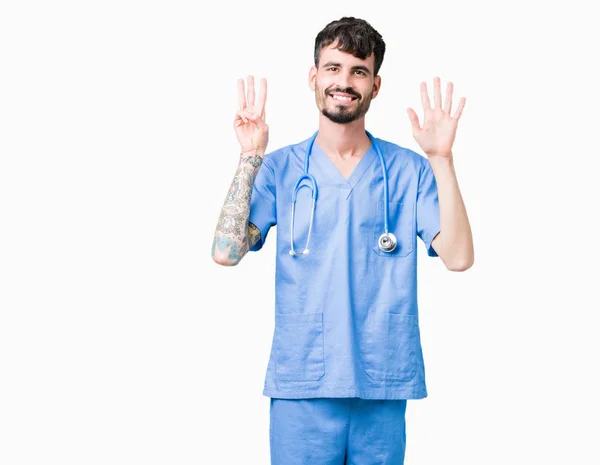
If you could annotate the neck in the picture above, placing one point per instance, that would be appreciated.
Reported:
(343, 140)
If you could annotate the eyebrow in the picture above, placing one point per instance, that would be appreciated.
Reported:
(339, 65)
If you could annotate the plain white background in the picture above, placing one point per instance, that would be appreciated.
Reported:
(122, 342)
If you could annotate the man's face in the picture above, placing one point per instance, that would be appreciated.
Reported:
(344, 75)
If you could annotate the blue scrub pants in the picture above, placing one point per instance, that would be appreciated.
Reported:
(337, 431)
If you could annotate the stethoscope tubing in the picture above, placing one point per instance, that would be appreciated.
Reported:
(306, 175)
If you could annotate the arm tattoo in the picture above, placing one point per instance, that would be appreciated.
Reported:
(253, 234)
(254, 160)
(234, 235)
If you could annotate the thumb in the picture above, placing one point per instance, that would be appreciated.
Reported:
(256, 119)
(414, 119)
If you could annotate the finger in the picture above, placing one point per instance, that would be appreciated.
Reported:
(414, 119)
(448, 102)
(238, 120)
(241, 95)
(241, 115)
(425, 96)
(263, 97)
(437, 95)
(461, 105)
(250, 91)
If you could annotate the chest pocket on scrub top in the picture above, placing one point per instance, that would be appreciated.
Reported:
(401, 224)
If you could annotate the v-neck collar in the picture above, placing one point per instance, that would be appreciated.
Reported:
(328, 166)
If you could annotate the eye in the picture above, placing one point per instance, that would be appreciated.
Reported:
(359, 71)
(331, 67)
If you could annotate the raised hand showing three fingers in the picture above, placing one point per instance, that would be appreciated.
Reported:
(250, 128)
(439, 128)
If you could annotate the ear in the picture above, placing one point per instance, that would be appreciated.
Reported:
(312, 77)
(376, 85)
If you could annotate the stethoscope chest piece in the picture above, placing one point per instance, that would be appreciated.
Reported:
(387, 242)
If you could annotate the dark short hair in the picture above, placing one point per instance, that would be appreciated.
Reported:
(355, 36)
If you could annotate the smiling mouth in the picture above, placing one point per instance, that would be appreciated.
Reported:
(343, 100)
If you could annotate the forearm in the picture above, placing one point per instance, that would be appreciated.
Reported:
(456, 240)
(231, 240)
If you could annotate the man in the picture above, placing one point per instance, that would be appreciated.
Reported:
(346, 353)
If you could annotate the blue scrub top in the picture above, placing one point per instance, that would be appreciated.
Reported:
(346, 314)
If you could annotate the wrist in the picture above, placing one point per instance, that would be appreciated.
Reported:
(441, 160)
(251, 158)
(256, 151)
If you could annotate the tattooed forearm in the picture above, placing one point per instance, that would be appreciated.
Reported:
(232, 232)
(254, 160)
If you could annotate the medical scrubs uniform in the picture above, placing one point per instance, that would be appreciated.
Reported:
(346, 314)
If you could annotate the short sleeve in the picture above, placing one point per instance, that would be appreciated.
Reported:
(263, 202)
(428, 210)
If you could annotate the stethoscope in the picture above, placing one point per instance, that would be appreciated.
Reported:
(387, 241)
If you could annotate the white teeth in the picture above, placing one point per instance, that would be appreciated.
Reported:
(339, 97)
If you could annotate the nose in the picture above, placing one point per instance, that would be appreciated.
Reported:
(344, 81)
